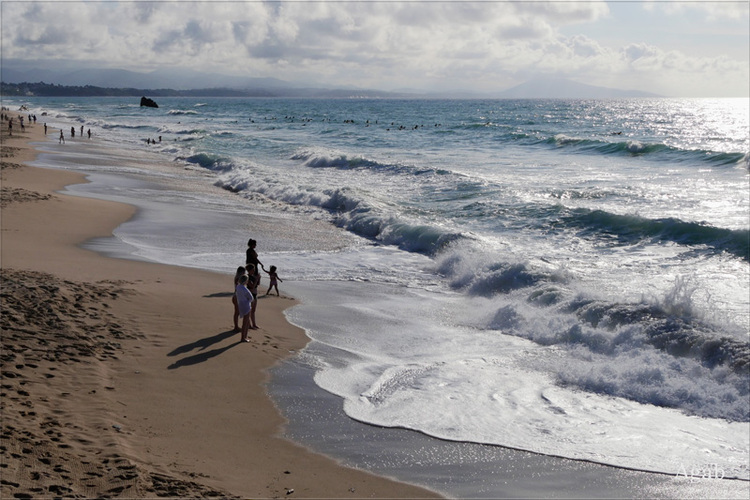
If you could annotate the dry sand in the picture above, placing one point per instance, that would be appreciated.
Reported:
(125, 379)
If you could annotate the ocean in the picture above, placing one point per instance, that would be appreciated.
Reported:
(565, 277)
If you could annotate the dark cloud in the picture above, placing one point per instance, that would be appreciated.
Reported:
(51, 35)
(268, 50)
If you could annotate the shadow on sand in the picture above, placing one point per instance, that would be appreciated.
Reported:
(202, 345)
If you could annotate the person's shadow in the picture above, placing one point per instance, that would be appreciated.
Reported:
(202, 345)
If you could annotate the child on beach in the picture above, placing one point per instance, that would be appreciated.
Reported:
(245, 303)
(239, 273)
(273, 277)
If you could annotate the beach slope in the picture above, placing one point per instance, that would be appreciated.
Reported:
(124, 378)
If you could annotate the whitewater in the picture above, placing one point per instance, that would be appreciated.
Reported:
(566, 277)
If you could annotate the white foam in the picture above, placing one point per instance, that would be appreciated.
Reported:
(399, 359)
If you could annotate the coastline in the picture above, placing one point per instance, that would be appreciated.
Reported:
(156, 431)
(124, 378)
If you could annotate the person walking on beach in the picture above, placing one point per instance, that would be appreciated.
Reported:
(274, 278)
(237, 275)
(245, 301)
(10, 126)
(62, 137)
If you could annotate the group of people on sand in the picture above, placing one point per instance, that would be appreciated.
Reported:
(20, 118)
(245, 297)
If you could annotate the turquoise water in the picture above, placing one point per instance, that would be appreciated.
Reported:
(508, 272)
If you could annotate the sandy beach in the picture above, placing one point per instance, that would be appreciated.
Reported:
(124, 378)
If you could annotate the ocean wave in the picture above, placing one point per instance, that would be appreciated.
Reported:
(365, 218)
(209, 161)
(657, 351)
(674, 330)
(172, 129)
(654, 352)
(114, 126)
(182, 112)
(317, 159)
(482, 272)
(631, 229)
(583, 194)
(503, 277)
(348, 208)
(632, 147)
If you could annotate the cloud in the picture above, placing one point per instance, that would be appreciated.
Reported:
(372, 44)
(711, 10)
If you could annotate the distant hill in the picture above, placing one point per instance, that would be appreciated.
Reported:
(560, 88)
(62, 78)
(41, 89)
(171, 78)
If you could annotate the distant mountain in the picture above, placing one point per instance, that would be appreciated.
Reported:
(13, 71)
(561, 88)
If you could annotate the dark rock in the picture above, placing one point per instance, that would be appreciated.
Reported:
(149, 103)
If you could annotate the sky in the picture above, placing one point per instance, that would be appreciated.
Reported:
(681, 49)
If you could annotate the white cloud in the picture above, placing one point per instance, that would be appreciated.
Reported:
(486, 45)
(711, 10)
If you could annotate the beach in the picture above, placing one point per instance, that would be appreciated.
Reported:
(124, 378)
(459, 368)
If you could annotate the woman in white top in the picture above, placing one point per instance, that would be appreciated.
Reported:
(245, 300)
(236, 317)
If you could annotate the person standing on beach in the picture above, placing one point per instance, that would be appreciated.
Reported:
(237, 275)
(252, 283)
(245, 301)
(72, 132)
(251, 256)
(62, 137)
(10, 126)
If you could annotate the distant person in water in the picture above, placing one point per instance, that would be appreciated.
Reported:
(245, 300)
(237, 275)
(72, 131)
(274, 279)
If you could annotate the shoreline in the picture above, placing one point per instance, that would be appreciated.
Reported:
(139, 387)
(170, 447)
